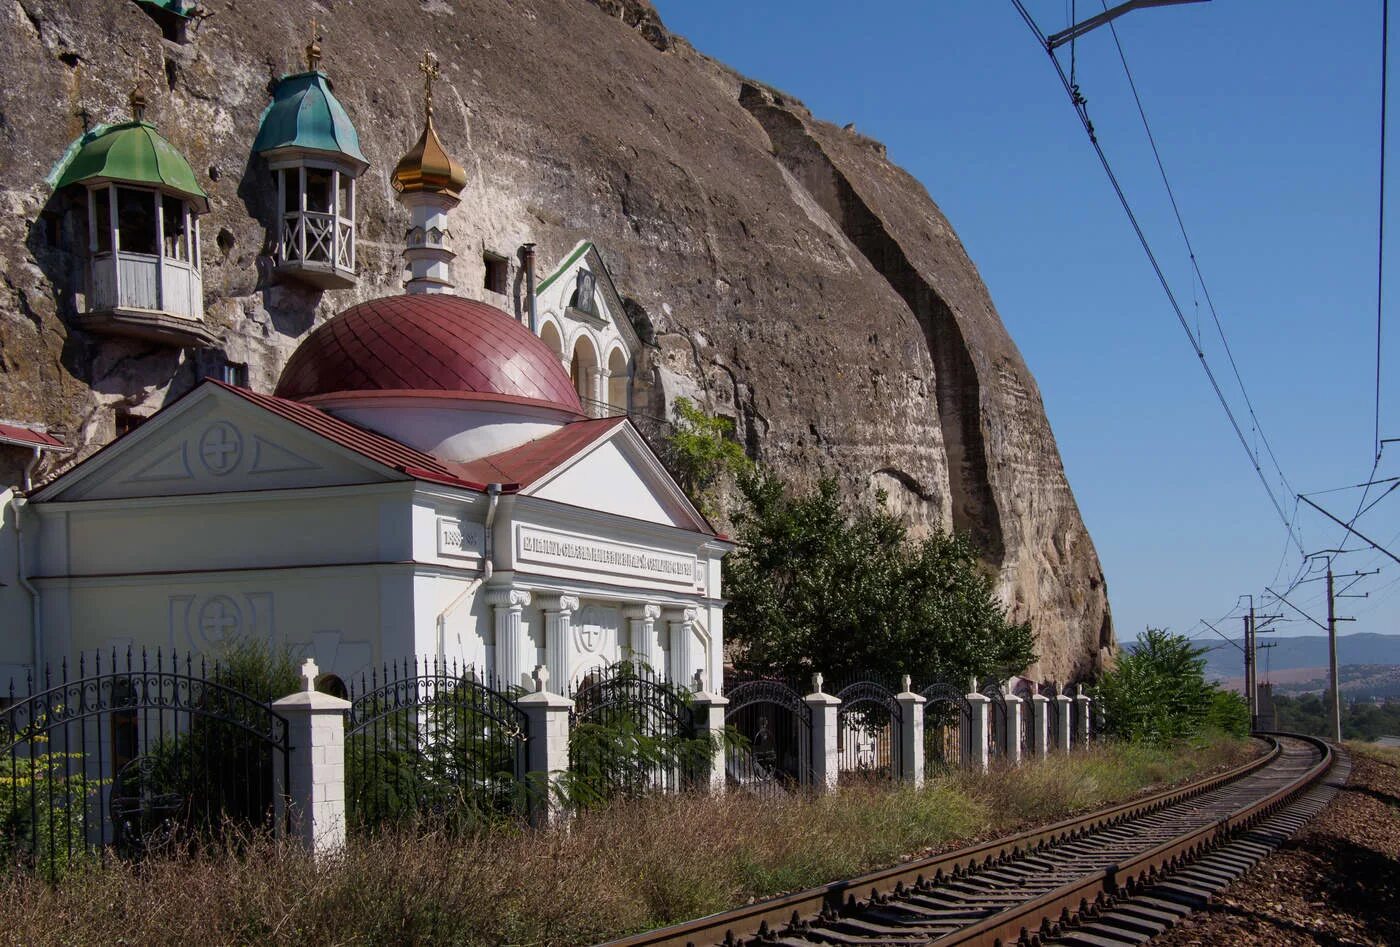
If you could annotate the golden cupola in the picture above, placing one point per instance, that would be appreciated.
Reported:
(427, 166)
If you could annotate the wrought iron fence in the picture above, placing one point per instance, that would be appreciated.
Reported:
(868, 732)
(1026, 690)
(426, 740)
(998, 720)
(770, 749)
(947, 726)
(128, 755)
(631, 732)
(1052, 717)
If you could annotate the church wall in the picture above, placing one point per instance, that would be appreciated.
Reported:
(16, 643)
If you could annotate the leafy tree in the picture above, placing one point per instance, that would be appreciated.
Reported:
(1158, 690)
(1228, 713)
(701, 452)
(812, 588)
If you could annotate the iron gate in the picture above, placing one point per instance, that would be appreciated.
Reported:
(132, 756)
(947, 726)
(631, 732)
(1052, 716)
(868, 732)
(1026, 690)
(427, 740)
(998, 721)
(772, 724)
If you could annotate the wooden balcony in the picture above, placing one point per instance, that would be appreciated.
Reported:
(147, 296)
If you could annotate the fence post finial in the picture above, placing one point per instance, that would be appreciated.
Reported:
(541, 678)
(906, 683)
(972, 688)
(817, 682)
(309, 670)
(700, 681)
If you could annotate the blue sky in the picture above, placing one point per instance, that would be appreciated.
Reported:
(1267, 116)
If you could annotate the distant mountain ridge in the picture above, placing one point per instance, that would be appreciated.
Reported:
(1307, 651)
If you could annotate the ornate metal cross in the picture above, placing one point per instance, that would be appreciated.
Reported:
(431, 71)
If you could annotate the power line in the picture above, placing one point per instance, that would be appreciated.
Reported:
(1380, 222)
(1191, 252)
(1081, 110)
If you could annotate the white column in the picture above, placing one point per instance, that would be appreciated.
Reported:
(547, 746)
(709, 715)
(558, 648)
(598, 385)
(683, 665)
(1012, 742)
(975, 749)
(1082, 700)
(510, 634)
(1040, 725)
(1063, 704)
(826, 761)
(911, 734)
(641, 625)
(315, 800)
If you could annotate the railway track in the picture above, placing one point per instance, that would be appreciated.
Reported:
(1112, 877)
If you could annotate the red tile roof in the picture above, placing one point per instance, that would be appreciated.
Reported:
(427, 342)
(515, 469)
(27, 437)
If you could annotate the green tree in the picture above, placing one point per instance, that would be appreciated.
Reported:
(1158, 690)
(701, 452)
(812, 588)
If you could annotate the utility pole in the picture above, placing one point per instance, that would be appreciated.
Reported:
(1249, 665)
(1334, 702)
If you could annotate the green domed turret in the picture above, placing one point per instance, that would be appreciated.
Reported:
(305, 114)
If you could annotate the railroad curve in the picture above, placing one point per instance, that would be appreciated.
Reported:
(1115, 876)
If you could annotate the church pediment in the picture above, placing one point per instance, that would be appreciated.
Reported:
(213, 441)
(619, 474)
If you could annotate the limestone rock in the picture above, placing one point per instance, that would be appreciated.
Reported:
(779, 267)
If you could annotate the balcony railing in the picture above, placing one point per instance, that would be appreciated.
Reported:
(127, 280)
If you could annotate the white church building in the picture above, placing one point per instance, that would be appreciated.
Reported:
(431, 477)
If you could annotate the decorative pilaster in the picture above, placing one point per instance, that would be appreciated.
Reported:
(558, 649)
(1063, 714)
(911, 734)
(315, 798)
(547, 746)
(975, 749)
(641, 625)
(709, 718)
(826, 719)
(683, 663)
(510, 634)
(1082, 701)
(1040, 724)
(1011, 746)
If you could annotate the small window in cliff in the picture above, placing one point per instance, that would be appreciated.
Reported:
(497, 273)
(125, 422)
(583, 297)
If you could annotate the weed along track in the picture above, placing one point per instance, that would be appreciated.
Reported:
(1116, 876)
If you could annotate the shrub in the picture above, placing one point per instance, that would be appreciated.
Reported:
(813, 588)
(1158, 690)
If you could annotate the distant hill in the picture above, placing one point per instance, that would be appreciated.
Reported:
(1308, 651)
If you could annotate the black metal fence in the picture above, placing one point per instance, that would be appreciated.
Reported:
(998, 720)
(131, 754)
(868, 734)
(426, 740)
(630, 732)
(770, 747)
(947, 727)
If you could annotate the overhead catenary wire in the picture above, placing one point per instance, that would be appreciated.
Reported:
(1081, 110)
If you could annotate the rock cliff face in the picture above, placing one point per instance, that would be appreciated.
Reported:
(779, 268)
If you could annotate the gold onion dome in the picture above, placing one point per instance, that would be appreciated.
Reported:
(428, 166)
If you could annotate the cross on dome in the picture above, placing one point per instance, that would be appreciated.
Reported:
(431, 71)
(313, 48)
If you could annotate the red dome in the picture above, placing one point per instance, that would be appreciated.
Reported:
(427, 342)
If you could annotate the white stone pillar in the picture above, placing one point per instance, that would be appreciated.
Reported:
(826, 719)
(709, 719)
(911, 734)
(1063, 721)
(683, 664)
(510, 634)
(975, 749)
(558, 648)
(1082, 700)
(547, 747)
(426, 253)
(1011, 747)
(314, 802)
(646, 650)
(1040, 725)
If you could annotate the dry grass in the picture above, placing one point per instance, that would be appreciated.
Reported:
(629, 867)
(1388, 755)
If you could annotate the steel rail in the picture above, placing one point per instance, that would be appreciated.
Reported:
(771, 914)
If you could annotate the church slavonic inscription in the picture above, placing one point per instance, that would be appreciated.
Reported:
(596, 555)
